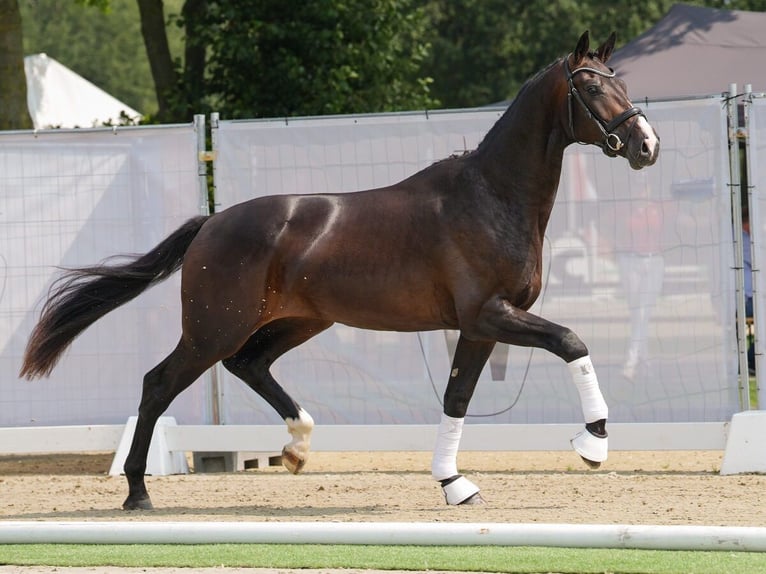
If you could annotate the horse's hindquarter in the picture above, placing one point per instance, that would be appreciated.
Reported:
(367, 259)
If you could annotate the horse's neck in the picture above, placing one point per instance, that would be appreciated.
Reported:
(522, 155)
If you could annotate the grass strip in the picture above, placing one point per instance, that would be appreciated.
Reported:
(521, 560)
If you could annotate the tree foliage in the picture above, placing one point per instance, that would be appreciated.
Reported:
(484, 50)
(101, 40)
(278, 58)
(13, 86)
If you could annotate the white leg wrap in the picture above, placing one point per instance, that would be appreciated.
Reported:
(444, 461)
(592, 401)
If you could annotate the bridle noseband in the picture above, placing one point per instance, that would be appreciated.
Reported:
(612, 141)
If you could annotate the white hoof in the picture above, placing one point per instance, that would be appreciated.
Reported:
(458, 490)
(296, 452)
(591, 448)
(292, 460)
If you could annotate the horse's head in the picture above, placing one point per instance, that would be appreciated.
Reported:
(599, 111)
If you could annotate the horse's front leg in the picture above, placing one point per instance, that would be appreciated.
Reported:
(503, 322)
(469, 360)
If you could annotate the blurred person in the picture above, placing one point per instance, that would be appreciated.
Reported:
(642, 269)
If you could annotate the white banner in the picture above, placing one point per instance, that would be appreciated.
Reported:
(74, 198)
(637, 263)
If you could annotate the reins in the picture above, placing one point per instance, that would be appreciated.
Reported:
(612, 141)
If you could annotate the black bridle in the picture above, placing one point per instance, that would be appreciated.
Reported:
(612, 142)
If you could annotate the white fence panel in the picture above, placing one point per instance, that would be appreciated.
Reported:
(638, 263)
(74, 198)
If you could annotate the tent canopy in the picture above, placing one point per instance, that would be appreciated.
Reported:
(695, 51)
(59, 97)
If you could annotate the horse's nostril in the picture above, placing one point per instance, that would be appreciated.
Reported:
(645, 149)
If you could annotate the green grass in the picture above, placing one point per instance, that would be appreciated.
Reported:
(465, 558)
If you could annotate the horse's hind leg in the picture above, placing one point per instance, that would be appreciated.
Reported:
(470, 358)
(251, 363)
(161, 385)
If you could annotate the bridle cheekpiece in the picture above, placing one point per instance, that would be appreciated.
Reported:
(612, 142)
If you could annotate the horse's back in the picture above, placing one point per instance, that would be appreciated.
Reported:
(369, 259)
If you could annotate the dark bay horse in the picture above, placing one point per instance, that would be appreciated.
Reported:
(456, 246)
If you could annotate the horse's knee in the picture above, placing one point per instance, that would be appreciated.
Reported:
(572, 347)
(153, 397)
(456, 403)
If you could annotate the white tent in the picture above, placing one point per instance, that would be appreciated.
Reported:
(59, 97)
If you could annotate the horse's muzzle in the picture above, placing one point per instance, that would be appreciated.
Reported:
(643, 146)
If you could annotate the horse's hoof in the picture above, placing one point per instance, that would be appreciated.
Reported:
(474, 499)
(292, 462)
(142, 503)
(591, 463)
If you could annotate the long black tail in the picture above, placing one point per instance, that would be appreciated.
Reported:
(81, 296)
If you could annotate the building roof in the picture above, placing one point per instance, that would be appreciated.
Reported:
(695, 51)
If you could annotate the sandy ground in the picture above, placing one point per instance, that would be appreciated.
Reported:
(631, 487)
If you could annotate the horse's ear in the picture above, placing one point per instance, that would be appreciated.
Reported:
(605, 50)
(583, 44)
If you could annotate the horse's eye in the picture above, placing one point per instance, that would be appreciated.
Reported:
(593, 90)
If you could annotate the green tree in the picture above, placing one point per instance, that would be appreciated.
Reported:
(272, 58)
(157, 47)
(276, 58)
(484, 50)
(101, 42)
(14, 113)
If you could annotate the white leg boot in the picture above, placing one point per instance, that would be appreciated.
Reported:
(457, 488)
(591, 447)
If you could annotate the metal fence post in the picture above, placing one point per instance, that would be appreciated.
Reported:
(755, 243)
(203, 157)
(739, 271)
